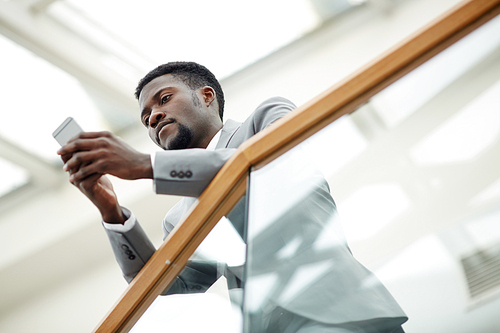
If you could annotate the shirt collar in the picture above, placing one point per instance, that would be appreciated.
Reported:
(213, 143)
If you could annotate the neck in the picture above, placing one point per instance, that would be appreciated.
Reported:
(210, 135)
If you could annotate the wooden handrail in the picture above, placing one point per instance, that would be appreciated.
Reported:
(230, 183)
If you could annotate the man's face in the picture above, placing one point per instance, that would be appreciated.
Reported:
(173, 113)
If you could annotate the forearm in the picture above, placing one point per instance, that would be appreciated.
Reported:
(99, 190)
(113, 214)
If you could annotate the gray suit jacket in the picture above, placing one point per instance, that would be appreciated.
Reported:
(341, 291)
(133, 248)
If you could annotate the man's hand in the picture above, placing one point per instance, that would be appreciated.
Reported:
(99, 153)
(90, 156)
(99, 190)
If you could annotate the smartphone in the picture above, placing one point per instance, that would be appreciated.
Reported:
(67, 131)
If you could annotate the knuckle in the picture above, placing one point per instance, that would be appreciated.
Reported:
(101, 165)
(103, 142)
(101, 154)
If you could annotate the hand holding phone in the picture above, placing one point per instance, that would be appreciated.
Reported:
(67, 131)
(115, 157)
(99, 190)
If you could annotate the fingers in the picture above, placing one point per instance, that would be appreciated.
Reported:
(86, 141)
(65, 158)
(76, 160)
(81, 175)
(103, 153)
(87, 183)
(83, 164)
(93, 135)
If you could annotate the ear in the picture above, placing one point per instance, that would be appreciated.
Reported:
(208, 94)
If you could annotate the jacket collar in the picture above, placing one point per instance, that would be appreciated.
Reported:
(227, 132)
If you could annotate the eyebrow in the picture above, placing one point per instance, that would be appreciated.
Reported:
(155, 96)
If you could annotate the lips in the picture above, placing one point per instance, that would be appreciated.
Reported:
(160, 127)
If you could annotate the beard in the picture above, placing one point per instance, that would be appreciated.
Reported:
(183, 138)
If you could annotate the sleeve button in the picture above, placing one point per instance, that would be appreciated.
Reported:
(173, 174)
(131, 257)
(189, 174)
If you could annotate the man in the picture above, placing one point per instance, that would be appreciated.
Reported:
(182, 107)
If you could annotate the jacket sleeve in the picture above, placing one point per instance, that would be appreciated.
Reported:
(188, 172)
(131, 246)
(132, 249)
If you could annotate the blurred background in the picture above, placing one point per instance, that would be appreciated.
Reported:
(415, 172)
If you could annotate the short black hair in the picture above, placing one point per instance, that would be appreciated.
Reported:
(192, 74)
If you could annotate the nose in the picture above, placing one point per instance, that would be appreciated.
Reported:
(155, 117)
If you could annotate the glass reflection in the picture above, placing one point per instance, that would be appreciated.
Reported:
(418, 199)
(207, 294)
(301, 275)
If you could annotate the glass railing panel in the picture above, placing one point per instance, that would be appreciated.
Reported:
(207, 294)
(301, 274)
(390, 212)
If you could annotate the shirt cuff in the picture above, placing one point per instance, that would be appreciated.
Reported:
(153, 157)
(125, 227)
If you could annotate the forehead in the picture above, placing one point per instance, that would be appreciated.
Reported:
(159, 83)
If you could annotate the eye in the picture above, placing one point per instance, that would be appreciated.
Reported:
(145, 120)
(165, 99)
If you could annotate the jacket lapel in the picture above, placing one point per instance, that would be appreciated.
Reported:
(228, 130)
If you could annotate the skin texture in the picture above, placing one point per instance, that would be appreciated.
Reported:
(167, 104)
(176, 117)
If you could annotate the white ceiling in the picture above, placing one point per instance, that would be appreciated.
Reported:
(223, 35)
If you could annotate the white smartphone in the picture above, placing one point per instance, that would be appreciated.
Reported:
(67, 131)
